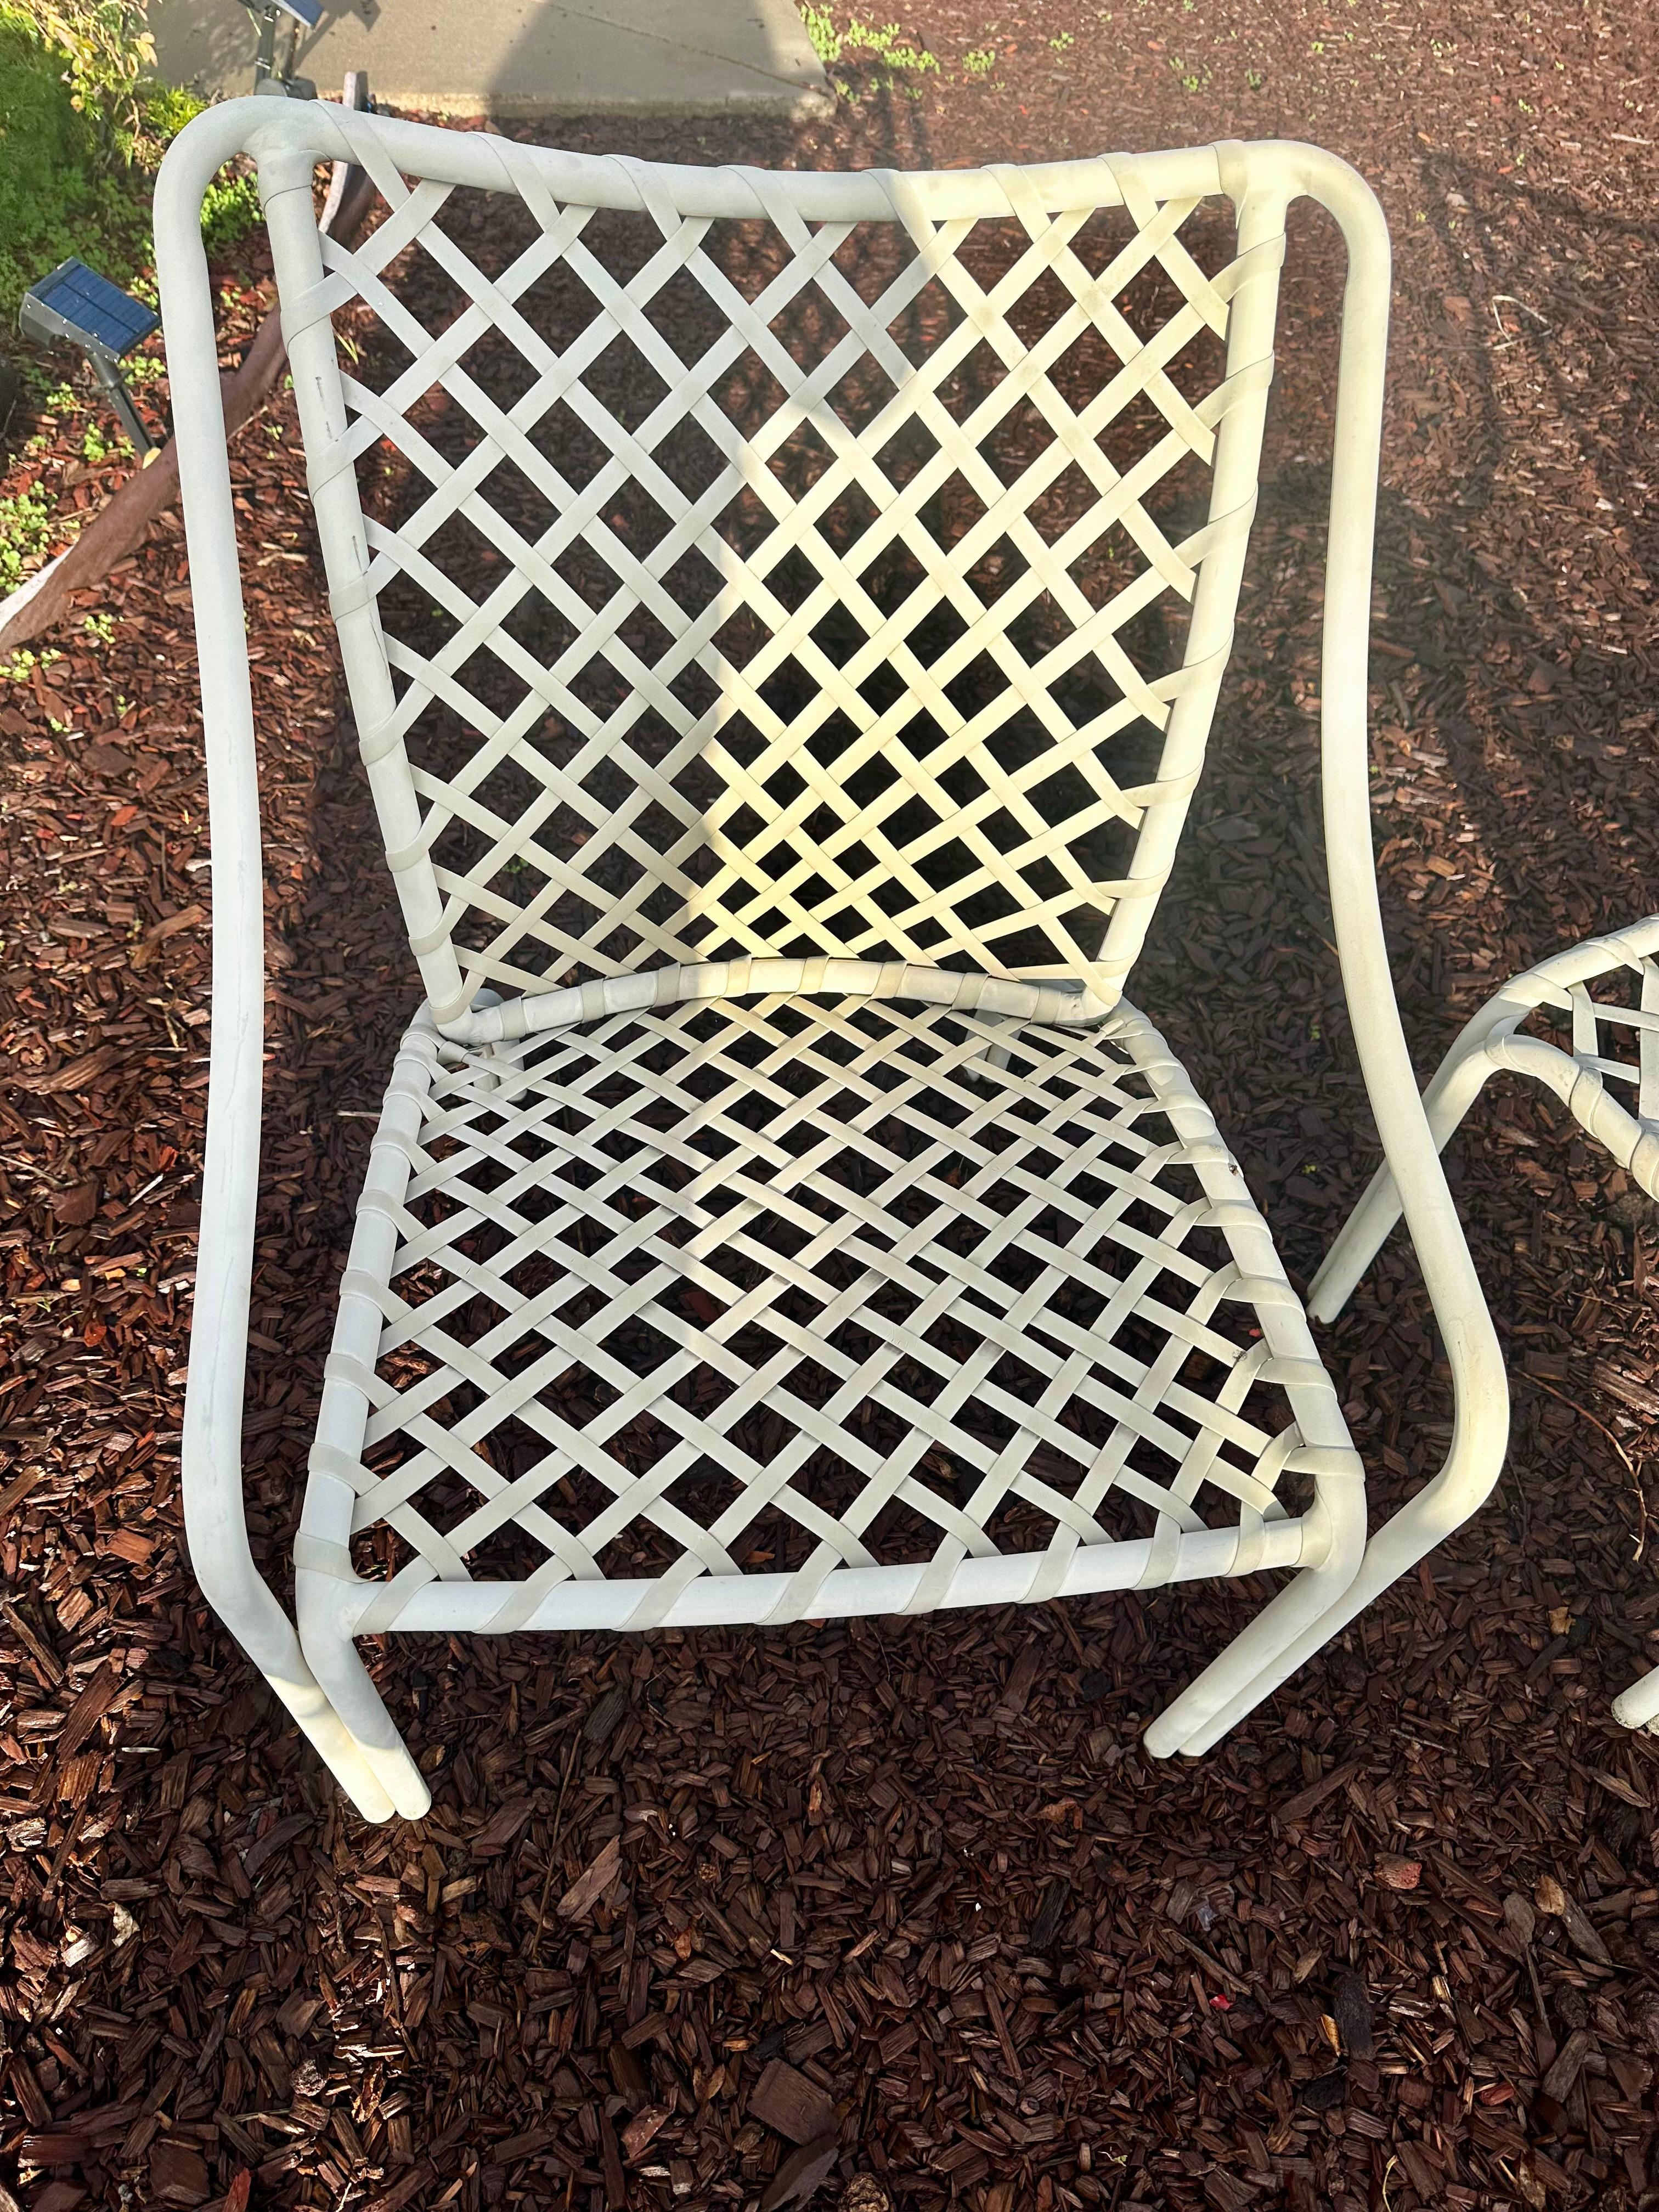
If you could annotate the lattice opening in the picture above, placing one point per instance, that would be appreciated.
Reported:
(787, 1271)
(746, 591)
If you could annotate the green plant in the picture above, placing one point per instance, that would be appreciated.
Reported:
(1254, 79)
(168, 108)
(58, 195)
(229, 211)
(112, 60)
(1060, 44)
(23, 664)
(1195, 76)
(82, 125)
(25, 533)
(820, 26)
(981, 62)
(99, 628)
(885, 43)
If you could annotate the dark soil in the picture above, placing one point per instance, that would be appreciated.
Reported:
(1397, 1942)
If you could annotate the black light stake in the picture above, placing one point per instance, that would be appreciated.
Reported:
(77, 307)
(282, 83)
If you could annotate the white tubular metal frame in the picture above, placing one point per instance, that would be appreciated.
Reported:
(1611, 1045)
(775, 1163)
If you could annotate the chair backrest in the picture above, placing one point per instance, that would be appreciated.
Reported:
(736, 563)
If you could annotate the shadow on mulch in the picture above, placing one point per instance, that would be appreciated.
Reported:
(1397, 1942)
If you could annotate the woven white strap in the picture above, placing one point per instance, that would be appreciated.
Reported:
(1612, 1040)
(855, 684)
(833, 1286)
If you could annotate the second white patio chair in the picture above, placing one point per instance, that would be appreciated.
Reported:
(1597, 1003)
(781, 680)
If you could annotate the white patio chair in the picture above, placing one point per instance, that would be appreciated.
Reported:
(1558, 993)
(778, 1211)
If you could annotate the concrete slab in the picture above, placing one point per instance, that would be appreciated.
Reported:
(521, 57)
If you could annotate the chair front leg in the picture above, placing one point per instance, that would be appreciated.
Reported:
(333, 1655)
(1285, 1632)
(233, 1585)
(1438, 1510)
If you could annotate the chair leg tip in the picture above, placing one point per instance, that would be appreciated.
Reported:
(1162, 1739)
(1637, 1713)
(405, 1785)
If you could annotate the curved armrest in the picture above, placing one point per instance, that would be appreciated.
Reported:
(214, 1520)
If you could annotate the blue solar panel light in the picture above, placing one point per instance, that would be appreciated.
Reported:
(75, 306)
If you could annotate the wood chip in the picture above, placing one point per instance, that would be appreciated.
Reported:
(591, 1884)
(784, 2100)
(801, 2174)
(1396, 1873)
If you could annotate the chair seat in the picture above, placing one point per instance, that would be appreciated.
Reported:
(787, 1307)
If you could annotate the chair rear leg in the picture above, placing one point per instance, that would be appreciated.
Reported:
(334, 1660)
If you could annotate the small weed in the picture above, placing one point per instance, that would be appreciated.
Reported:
(981, 62)
(884, 43)
(820, 26)
(229, 211)
(1062, 42)
(1254, 79)
(101, 628)
(25, 533)
(1193, 75)
(23, 664)
(97, 448)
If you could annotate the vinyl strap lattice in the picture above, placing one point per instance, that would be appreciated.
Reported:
(792, 854)
(976, 1279)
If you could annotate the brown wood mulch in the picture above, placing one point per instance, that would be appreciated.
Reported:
(898, 1913)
